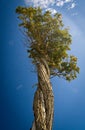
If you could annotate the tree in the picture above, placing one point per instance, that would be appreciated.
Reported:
(48, 43)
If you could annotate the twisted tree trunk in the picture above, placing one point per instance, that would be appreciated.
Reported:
(43, 105)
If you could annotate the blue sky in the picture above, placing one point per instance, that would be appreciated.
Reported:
(17, 77)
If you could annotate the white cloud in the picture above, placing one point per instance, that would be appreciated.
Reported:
(53, 11)
(60, 3)
(72, 6)
(47, 3)
(67, 1)
(41, 3)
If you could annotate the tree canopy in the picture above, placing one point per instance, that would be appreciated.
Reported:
(48, 39)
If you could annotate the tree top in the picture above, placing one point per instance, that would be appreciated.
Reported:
(48, 40)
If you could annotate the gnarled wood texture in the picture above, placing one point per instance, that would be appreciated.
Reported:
(43, 105)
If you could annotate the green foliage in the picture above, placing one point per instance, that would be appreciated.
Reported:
(48, 39)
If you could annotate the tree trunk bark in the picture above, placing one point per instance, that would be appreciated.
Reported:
(43, 105)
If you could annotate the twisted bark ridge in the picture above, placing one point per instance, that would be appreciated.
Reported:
(43, 105)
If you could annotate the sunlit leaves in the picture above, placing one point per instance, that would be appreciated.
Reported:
(49, 40)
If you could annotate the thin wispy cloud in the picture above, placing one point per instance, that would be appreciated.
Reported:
(19, 86)
(47, 3)
(60, 3)
(41, 3)
(67, 1)
(74, 14)
(63, 2)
